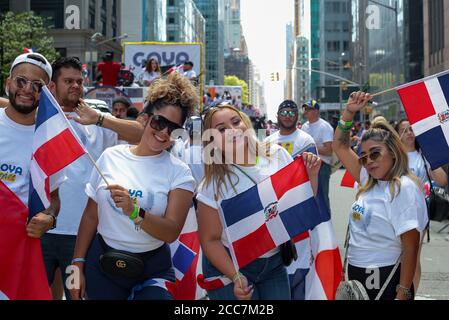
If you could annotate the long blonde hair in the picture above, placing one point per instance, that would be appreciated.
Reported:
(215, 168)
(382, 131)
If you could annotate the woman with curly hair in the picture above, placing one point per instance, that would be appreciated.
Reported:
(121, 248)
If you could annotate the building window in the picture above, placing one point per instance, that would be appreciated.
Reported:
(436, 30)
(51, 11)
(92, 13)
(171, 3)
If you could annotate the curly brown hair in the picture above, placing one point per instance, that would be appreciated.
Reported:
(175, 90)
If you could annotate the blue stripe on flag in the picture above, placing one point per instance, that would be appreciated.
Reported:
(250, 200)
(435, 147)
(35, 204)
(46, 109)
(183, 258)
(444, 82)
(301, 218)
(298, 284)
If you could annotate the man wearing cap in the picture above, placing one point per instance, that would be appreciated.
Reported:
(323, 134)
(97, 131)
(29, 73)
(294, 140)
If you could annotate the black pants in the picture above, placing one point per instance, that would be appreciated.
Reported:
(366, 276)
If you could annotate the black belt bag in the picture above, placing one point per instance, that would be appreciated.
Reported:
(288, 253)
(117, 263)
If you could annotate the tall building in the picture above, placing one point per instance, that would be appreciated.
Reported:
(436, 36)
(315, 45)
(233, 27)
(389, 51)
(185, 23)
(144, 20)
(290, 59)
(213, 12)
(302, 74)
(102, 18)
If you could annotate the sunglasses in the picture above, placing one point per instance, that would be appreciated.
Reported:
(373, 155)
(159, 123)
(286, 113)
(22, 82)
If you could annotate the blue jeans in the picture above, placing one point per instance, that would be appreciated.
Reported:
(269, 277)
(57, 251)
(100, 286)
(324, 177)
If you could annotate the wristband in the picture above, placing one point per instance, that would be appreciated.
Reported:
(80, 260)
(346, 124)
(142, 213)
(135, 213)
(344, 129)
(100, 120)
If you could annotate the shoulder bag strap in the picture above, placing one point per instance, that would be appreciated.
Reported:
(345, 263)
(381, 292)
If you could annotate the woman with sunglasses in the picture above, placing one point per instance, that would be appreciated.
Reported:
(234, 161)
(419, 165)
(390, 211)
(143, 207)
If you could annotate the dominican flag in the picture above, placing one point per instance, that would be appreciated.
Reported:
(348, 181)
(22, 270)
(175, 68)
(269, 214)
(318, 271)
(426, 103)
(55, 146)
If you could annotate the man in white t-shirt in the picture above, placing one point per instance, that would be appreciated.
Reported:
(292, 139)
(188, 70)
(97, 131)
(29, 73)
(323, 134)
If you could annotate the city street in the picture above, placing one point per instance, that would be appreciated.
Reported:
(434, 257)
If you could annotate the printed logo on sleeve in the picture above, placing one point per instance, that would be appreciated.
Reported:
(357, 212)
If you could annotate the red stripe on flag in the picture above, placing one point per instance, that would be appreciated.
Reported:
(329, 269)
(289, 177)
(348, 181)
(301, 237)
(254, 245)
(417, 102)
(58, 152)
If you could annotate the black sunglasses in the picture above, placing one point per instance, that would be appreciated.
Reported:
(159, 123)
(373, 155)
(22, 82)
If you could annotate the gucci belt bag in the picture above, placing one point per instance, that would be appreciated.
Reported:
(117, 263)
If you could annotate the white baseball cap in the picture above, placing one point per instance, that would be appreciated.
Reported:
(33, 58)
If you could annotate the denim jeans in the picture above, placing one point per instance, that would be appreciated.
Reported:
(268, 275)
(100, 286)
(57, 251)
(323, 179)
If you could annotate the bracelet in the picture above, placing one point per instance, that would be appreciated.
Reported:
(237, 276)
(100, 120)
(346, 123)
(133, 216)
(81, 260)
(344, 129)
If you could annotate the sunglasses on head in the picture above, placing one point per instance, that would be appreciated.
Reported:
(286, 113)
(22, 82)
(159, 123)
(373, 155)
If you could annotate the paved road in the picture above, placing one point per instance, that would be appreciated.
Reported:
(434, 256)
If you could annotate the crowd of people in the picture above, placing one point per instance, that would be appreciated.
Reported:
(148, 184)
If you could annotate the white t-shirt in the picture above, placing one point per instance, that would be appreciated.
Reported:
(322, 132)
(190, 74)
(295, 143)
(149, 180)
(150, 76)
(73, 198)
(416, 165)
(16, 149)
(264, 169)
(377, 222)
(193, 156)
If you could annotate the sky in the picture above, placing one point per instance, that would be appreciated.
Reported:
(264, 23)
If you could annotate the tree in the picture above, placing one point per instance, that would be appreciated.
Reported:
(234, 81)
(19, 31)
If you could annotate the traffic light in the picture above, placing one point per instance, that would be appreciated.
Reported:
(275, 76)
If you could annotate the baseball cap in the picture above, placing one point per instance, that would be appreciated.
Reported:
(311, 104)
(122, 99)
(36, 59)
(288, 104)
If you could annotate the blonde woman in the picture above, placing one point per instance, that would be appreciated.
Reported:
(234, 162)
(390, 210)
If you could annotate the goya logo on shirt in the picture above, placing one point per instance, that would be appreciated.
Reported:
(357, 212)
(135, 195)
(10, 172)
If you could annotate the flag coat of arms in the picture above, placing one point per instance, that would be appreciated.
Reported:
(55, 146)
(269, 214)
(426, 103)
